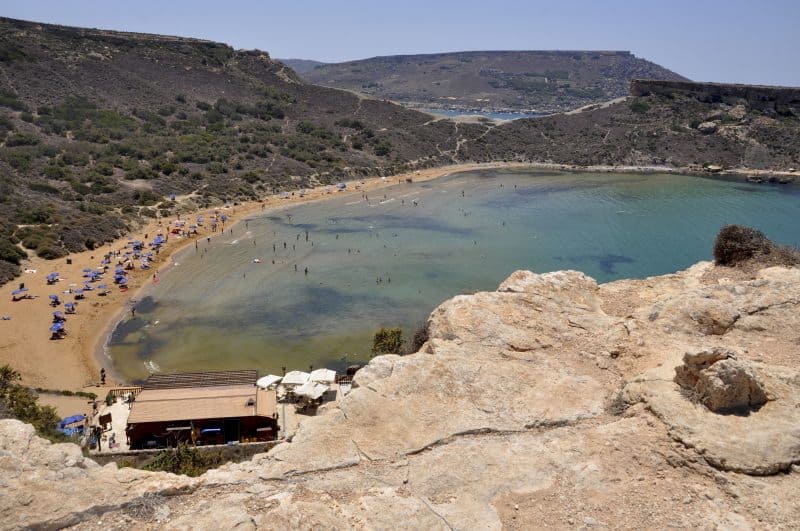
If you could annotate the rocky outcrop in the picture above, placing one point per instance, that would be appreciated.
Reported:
(552, 402)
(50, 486)
(716, 379)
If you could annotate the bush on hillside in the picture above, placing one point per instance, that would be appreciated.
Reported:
(737, 243)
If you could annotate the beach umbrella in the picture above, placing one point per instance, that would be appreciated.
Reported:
(58, 314)
(123, 281)
(78, 292)
(69, 305)
(18, 291)
(101, 286)
(52, 276)
(266, 381)
(87, 269)
(56, 327)
(53, 297)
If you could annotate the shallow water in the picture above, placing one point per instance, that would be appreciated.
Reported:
(389, 263)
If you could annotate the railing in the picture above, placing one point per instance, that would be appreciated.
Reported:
(118, 392)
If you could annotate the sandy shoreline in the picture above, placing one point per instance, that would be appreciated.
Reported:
(74, 362)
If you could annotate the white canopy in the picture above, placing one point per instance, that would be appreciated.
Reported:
(265, 382)
(323, 375)
(296, 378)
(311, 390)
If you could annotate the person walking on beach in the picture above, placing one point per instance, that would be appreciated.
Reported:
(103, 376)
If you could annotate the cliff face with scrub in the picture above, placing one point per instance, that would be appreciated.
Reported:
(672, 401)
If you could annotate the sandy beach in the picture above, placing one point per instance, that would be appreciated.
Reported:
(73, 363)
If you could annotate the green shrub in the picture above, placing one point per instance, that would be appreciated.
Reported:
(639, 107)
(21, 139)
(10, 252)
(44, 188)
(203, 106)
(186, 460)
(388, 341)
(22, 403)
(180, 98)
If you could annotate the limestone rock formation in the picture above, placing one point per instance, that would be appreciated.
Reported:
(53, 485)
(720, 382)
(552, 402)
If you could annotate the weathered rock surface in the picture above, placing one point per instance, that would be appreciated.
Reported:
(716, 379)
(551, 402)
(52, 485)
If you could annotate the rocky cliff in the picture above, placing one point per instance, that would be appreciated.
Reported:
(672, 401)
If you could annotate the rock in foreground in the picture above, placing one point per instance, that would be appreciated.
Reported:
(551, 402)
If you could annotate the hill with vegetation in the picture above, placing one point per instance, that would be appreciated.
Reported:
(98, 129)
(529, 81)
(689, 125)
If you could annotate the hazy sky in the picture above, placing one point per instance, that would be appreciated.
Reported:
(705, 40)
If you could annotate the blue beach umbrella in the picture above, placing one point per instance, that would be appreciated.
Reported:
(69, 306)
(58, 314)
(53, 297)
(101, 286)
(56, 327)
(52, 276)
(123, 281)
(18, 291)
(78, 292)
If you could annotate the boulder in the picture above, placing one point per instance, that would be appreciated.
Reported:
(707, 128)
(719, 381)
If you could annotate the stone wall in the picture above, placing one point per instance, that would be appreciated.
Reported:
(783, 100)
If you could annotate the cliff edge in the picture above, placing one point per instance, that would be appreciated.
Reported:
(672, 401)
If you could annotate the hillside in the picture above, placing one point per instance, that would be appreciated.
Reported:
(665, 124)
(530, 81)
(99, 128)
(669, 402)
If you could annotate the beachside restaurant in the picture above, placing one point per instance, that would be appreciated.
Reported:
(202, 409)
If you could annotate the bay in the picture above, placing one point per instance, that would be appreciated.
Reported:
(391, 259)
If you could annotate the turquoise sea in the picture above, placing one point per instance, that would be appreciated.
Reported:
(391, 259)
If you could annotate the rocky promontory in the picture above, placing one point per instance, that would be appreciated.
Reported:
(672, 401)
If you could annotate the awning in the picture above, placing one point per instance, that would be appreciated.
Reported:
(311, 390)
(323, 375)
(296, 378)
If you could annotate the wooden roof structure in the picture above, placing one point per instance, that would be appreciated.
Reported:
(201, 379)
(198, 403)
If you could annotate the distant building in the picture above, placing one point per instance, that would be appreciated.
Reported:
(202, 408)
